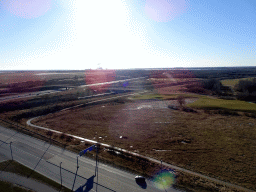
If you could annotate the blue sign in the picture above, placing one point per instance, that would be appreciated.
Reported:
(86, 150)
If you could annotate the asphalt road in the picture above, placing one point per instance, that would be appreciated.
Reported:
(46, 159)
(27, 95)
(40, 93)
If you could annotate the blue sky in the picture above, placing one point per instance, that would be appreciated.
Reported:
(80, 34)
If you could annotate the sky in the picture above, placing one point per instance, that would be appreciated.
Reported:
(123, 34)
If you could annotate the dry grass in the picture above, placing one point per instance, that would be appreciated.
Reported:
(215, 145)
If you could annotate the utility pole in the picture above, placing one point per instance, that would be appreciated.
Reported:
(60, 177)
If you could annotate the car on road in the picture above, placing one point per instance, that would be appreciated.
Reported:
(140, 179)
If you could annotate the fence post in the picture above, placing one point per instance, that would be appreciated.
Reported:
(60, 177)
(75, 174)
(11, 149)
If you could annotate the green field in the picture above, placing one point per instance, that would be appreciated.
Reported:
(236, 105)
(233, 82)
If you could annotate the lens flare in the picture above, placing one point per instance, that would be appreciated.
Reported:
(164, 180)
(99, 79)
(27, 8)
(164, 10)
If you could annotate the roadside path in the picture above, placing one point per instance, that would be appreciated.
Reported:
(28, 183)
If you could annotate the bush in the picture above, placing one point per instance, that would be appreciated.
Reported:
(212, 84)
(62, 136)
(227, 97)
(226, 112)
(69, 138)
(120, 100)
(181, 100)
(246, 85)
(197, 89)
(49, 133)
(187, 109)
(253, 115)
(173, 107)
(216, 87)
(246, 90)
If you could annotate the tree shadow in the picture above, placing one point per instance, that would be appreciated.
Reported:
(88, 185)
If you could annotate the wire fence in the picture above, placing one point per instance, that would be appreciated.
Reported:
(29, 132)
(120, 154)
(62, 176)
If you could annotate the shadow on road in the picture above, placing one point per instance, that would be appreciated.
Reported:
(143, 185)
(4, 142)
(5, 167)
(88, 185)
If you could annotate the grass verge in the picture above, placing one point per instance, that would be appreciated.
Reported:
(17, 168)
(6, 186)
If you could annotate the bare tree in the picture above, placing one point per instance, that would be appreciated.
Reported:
(181, 100)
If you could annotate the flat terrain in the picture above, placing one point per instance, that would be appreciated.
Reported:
(213, 103)
(233, 82)
(213, 144)
(218, 140)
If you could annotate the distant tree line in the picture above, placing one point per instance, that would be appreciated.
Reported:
(246, 90)
(210, 87)
(217, 88)
(225, 72)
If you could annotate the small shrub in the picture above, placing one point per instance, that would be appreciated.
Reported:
(120, 100)
(173, 107)
(226, 112)
(227, 97)
(76, 142)
(69, 138)
(62, 136)
(49, 133)
(187, 109)
(181, 100)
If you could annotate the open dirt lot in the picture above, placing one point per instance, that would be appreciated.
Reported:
(216, 145)
(133, 121)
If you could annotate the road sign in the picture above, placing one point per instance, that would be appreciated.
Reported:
(86, 150)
